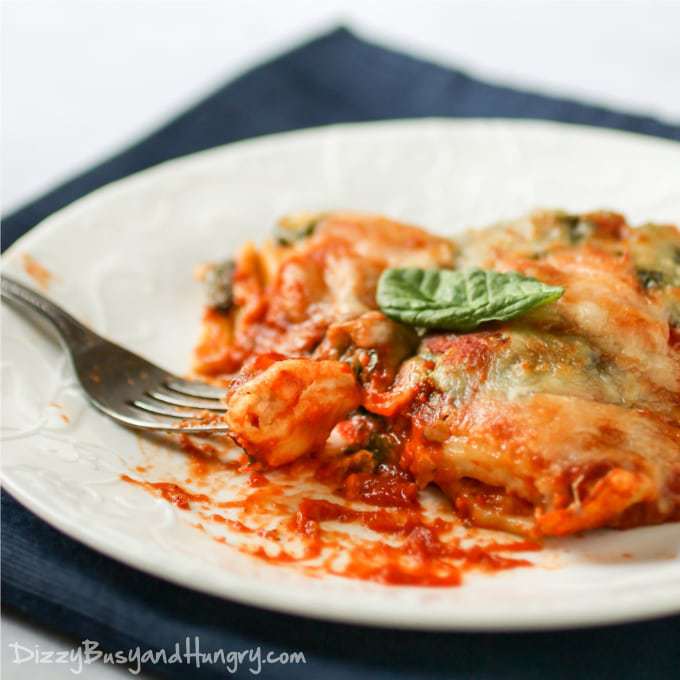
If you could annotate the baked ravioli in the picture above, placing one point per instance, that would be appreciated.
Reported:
(561, 418)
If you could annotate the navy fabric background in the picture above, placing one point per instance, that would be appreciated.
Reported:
(60, 584)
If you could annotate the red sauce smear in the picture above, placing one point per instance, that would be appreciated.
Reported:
(173, 493)
(674, 338)
(390, 487)
(424, 558)
(257, 479)
(420, 551)
(42, 276)
(203, 459)
(233, 524)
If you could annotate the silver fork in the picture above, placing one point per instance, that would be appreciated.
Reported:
(124, 386)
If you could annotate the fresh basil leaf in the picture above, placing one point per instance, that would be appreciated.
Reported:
(459, 300)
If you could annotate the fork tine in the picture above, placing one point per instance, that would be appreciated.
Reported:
(192, 388)
(160, 409)
(176, 399)
(156, 423)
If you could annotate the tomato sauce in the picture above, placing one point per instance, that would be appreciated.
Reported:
(171, 492)
(390, 487)
(408, 546)
(42, 276)
(674, 337)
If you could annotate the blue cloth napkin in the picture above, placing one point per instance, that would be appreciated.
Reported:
(58, 583)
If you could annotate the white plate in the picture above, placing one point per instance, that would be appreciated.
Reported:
(123, 259)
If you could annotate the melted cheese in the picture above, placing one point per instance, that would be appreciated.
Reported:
(564, 419)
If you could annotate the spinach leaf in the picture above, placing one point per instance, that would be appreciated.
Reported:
(575, 228)
(288, 232)
(459, 300)
(381, 446)
(218, 283)
(650, 278)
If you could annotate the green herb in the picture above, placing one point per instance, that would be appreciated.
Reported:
(363, 362)
(219, 285)
(287, 236)
(459, 300)
(380, 446)
(650, 278)
(579, 232)
(577, 228)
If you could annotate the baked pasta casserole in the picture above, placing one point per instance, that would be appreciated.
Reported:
(530, 370)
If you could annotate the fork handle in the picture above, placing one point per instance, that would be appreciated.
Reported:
(73, 333)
